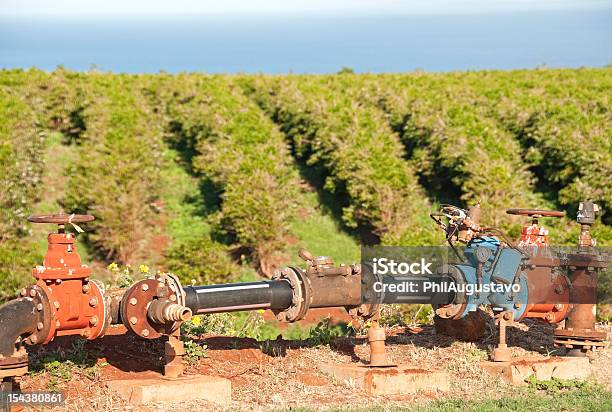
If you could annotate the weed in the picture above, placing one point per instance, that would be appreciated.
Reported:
(406, 315)
(557, 385)
(325, 332)
(60, 365)
(194, 351)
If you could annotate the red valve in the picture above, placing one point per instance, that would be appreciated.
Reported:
(70, 303)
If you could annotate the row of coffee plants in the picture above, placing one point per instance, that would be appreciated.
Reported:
(461, 154)
(563, 118)
(354, 148)
(21, 169)
(116, 177)
(235, 149)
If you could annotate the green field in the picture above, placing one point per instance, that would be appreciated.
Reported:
(221, 178)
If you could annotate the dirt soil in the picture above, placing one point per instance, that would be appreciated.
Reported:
(285, 374)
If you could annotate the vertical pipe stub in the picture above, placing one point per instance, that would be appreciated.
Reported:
(378, 352)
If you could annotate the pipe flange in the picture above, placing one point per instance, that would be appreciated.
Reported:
(454, 310)
(106, 309)
(16, 365)
(302, 294)
(367, 311)
(174, 284)
(136, 301)
(584, 339)
(45, 325)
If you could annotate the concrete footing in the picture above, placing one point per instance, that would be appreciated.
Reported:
(140, 391)
(401, 379)
(516, 371)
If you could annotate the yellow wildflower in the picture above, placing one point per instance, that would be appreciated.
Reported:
(144, 269)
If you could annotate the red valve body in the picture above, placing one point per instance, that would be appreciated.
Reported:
(77, 305)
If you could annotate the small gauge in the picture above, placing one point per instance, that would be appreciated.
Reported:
(482, 254)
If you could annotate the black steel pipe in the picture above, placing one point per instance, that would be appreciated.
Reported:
(17, 317)
(234, 297)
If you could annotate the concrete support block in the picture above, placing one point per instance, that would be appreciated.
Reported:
(401, 379)
(140, 391)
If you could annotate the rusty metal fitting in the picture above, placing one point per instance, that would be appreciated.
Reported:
(502, 353)
(166, 311)
(15, 365)
(302, 294)
(579, 341)
(449, 311)
(376, 341)
(154, 307)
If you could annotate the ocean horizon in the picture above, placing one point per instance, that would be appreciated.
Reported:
(308, 43)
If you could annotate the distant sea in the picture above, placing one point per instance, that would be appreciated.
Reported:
(308, 44)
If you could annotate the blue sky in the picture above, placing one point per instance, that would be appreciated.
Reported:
(161, 7)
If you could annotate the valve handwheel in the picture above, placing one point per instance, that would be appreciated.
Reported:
(532, 234)
(61, 218)
(535, 212)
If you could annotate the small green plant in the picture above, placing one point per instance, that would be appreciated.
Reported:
(473, 354)
(243, 325)
(194, 351)
(325, 332)
(557, 385)
(60, 365)
(58, 372)
(124, 277)
(406, 315)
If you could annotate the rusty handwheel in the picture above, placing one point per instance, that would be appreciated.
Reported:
(535, 212)
(61, 218)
